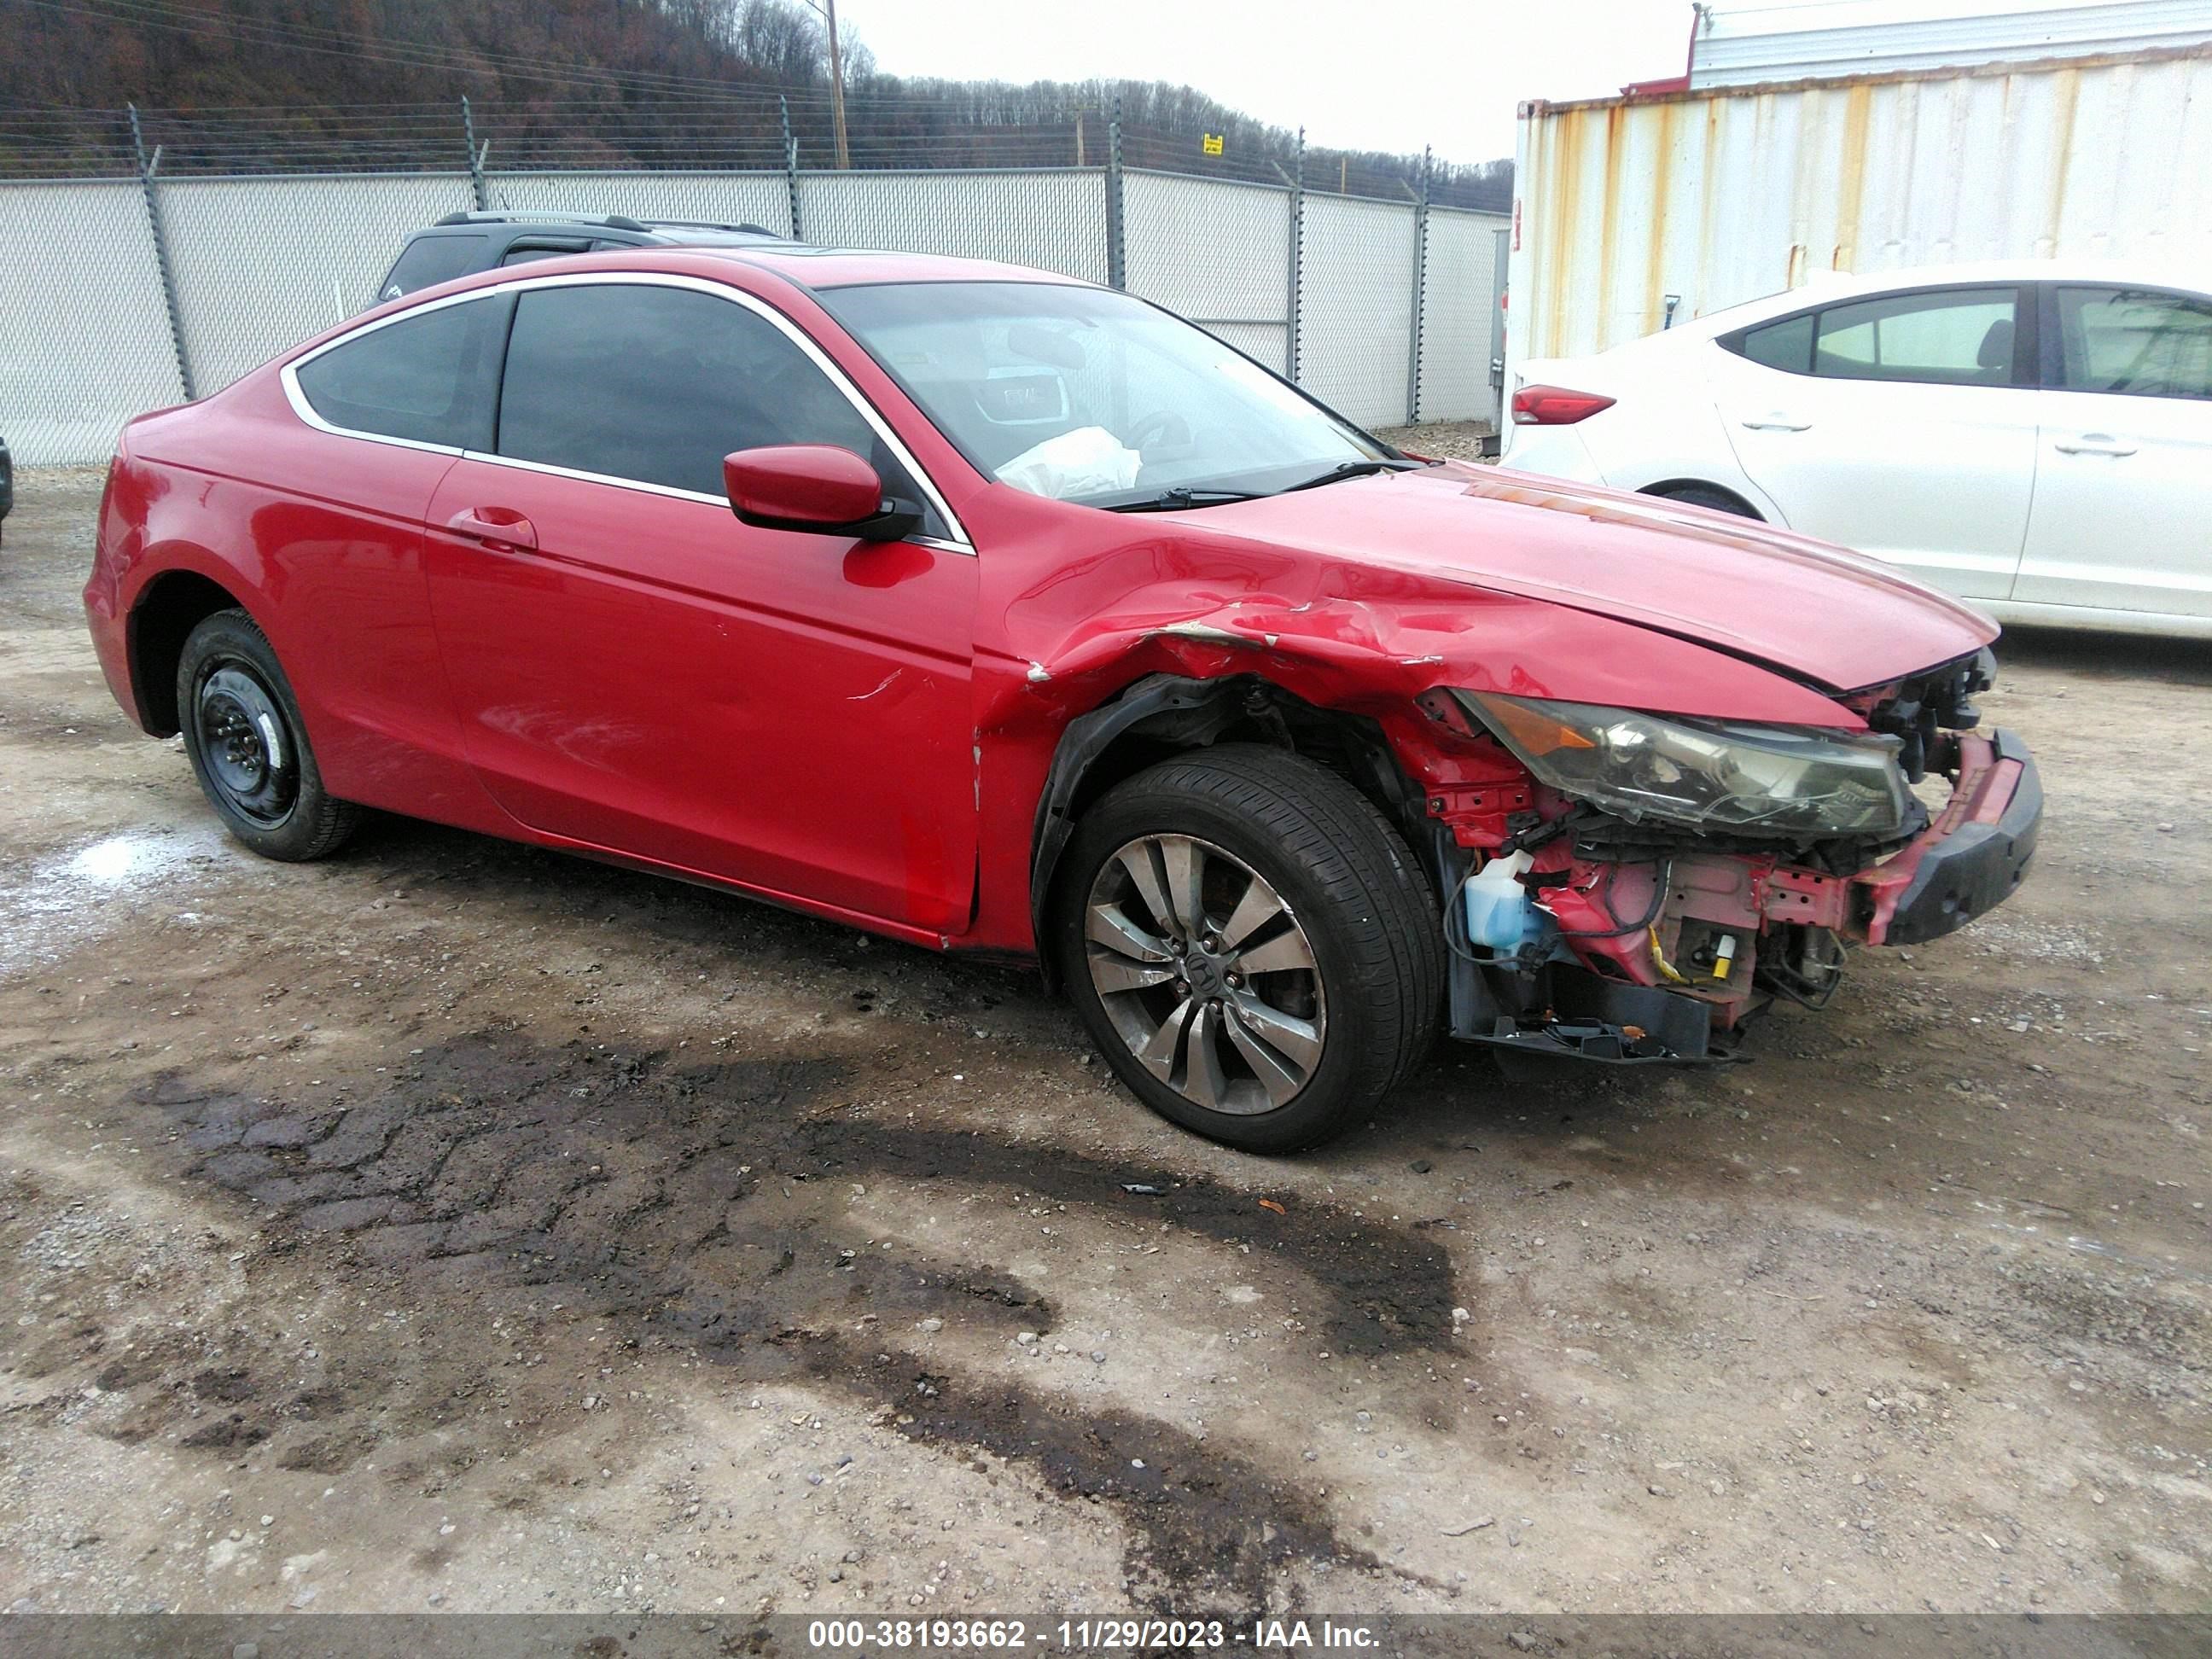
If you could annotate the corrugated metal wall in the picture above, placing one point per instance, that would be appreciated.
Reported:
(1722, 196)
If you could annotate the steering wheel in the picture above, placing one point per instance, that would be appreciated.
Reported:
(1163, 427)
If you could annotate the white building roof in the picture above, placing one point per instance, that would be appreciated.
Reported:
(1784, 40)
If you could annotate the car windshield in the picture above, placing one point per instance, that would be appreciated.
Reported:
(1087, 395)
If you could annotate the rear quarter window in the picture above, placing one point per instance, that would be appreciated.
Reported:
(428, 378)
(1784, 346)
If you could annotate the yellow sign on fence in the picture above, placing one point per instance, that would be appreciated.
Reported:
(1213, 144)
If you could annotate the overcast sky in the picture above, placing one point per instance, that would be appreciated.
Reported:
(1363, 73)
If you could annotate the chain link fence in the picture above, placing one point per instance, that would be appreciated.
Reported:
(1055, 218)
(1355, 306)
(1217, 253)
(127, 293)
(1461, 346)
(261, 264)
(85, 339)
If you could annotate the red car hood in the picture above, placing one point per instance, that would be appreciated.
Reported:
(1802, 606)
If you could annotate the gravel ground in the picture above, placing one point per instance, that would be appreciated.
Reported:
(454, 1225)
(1443, 441)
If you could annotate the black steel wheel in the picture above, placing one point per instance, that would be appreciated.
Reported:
(248, 744)
(253, 764)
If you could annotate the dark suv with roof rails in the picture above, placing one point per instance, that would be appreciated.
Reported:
(462, 244)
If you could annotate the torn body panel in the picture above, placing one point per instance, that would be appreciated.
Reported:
(1656, 944)
(1200, 597)
(1634, 940)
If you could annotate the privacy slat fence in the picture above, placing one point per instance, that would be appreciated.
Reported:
(93, 329)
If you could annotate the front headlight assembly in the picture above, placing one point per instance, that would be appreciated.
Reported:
(1784, 781)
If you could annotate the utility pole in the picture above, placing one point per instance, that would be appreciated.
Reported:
(837, 87)
(827, 10)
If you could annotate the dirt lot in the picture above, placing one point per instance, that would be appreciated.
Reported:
(456, 1226)
(1440, 440)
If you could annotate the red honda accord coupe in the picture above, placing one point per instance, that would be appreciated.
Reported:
(1001, 613)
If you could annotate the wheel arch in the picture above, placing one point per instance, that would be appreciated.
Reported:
(1670, 487)
(1163, 714)
(162, 619)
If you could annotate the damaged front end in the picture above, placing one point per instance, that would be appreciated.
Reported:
(1629, 888)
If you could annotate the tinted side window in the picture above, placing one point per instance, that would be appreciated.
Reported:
(1787, 345)
(658, 384)
(2154, 345)
(428, 260)
(428, 377)
(1962, 337)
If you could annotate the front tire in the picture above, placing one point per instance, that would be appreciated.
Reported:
(249, 746)
(1250, 944)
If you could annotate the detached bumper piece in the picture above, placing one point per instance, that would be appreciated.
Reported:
(1585, 1019)
(1970, 858)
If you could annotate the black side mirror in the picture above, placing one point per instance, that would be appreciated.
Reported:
(897, 520)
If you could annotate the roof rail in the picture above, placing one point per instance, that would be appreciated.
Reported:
(547, 215)
(747, 228)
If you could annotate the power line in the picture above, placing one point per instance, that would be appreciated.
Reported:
(464, 61)
(694, 119)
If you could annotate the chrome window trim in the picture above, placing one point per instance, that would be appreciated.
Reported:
(960, 542)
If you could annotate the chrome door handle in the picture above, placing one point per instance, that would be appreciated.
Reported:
(509, 532)
(2094, 443)
(1778, 421)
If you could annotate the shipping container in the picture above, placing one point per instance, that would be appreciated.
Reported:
(1633, 212)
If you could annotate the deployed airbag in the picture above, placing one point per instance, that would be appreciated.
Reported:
(1088, 461)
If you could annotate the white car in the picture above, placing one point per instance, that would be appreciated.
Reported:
(2035, 435)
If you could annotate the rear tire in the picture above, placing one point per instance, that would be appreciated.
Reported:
(1707, 495)
(249, 746)
(1250, 944)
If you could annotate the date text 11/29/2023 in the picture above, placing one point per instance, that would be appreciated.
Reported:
(1082, 1635)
